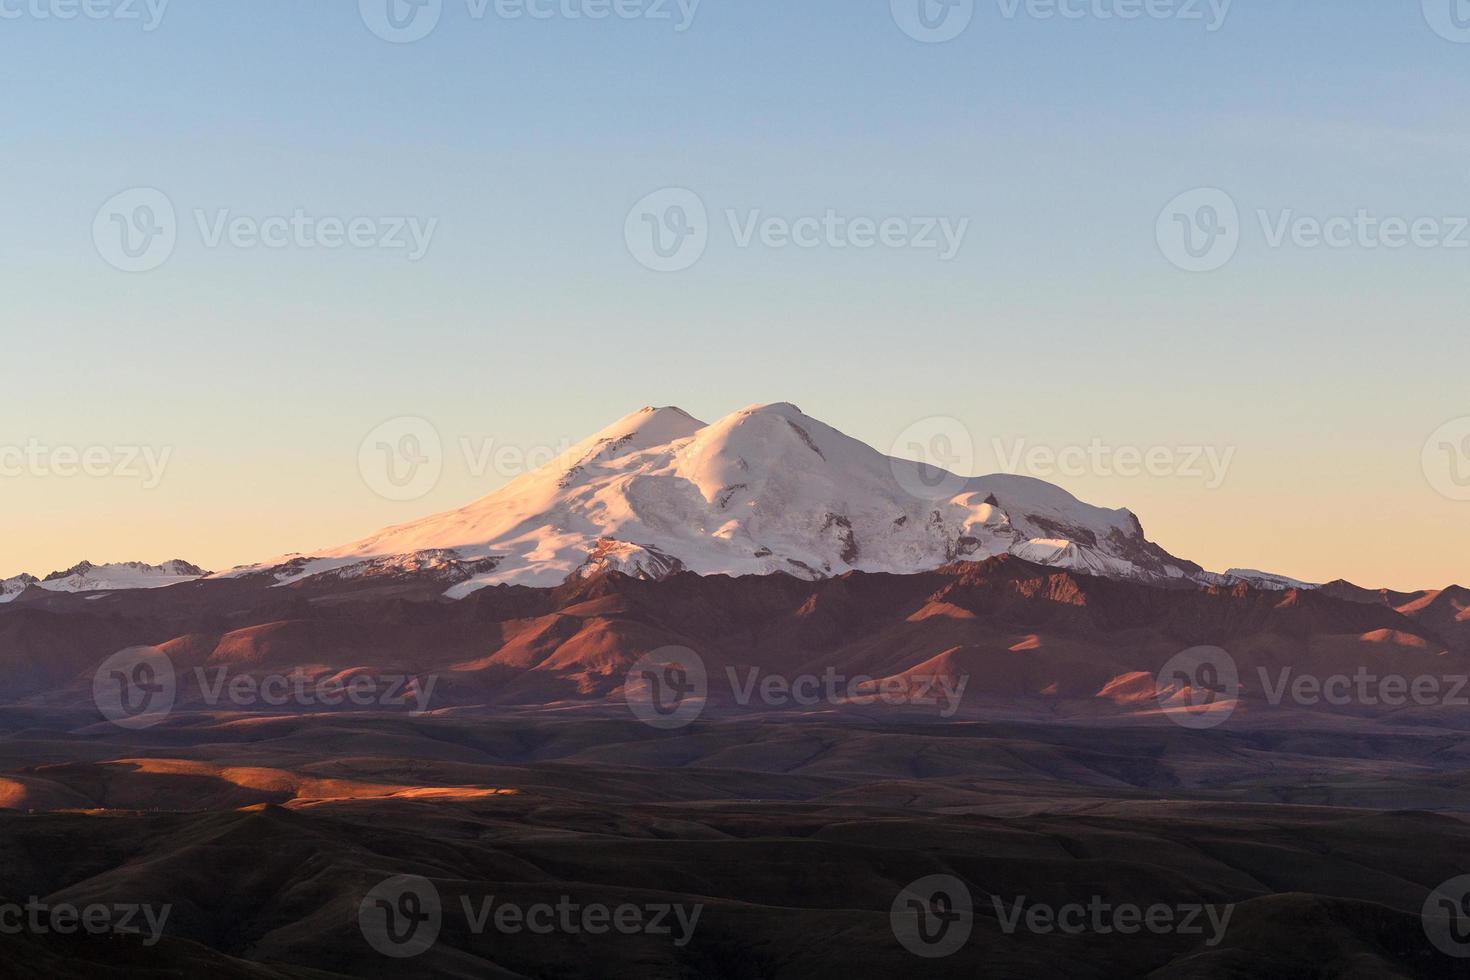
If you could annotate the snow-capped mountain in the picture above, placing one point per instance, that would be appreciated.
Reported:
(766, 489)
(87, 577)
(12, 587)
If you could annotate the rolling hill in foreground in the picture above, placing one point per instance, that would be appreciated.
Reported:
(263, 836)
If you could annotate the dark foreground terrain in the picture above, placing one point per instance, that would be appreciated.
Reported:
(794, 839)
(1082, 803)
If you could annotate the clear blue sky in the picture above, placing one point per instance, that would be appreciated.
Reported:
(529, 322)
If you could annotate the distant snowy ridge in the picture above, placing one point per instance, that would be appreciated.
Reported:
(12, 587)
(1256, 579)
(87, 577)
(764, 490)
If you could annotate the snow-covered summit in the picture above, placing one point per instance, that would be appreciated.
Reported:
(765, 489)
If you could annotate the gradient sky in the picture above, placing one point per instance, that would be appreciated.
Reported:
(529, 322)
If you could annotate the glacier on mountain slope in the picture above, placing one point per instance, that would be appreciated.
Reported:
(766, 489)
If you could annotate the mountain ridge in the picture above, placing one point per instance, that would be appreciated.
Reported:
(1056, 639)
(765, 489)
(120, 576)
